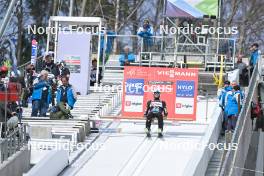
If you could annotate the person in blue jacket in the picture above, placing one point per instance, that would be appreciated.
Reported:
(254, 57)
(66, 93)
(41, 96)
(66, 98)
(234, 107)
(222, 103)
(222, 97)
(109, 45)
(146, 32)
(126, 58)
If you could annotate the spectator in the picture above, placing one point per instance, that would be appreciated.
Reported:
(64, 71)
(109, 45)
(93, 73)
(242, 95)
(41, 96)
(11, 118)
(50, 66)
(30, 76)
(127, 57)
(4, 74)
(66, 98)
(234, 107)
(254, 57)
(223, 98)
(243, 71)
(146, 31)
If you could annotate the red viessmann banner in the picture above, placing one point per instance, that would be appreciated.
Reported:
(178, 89)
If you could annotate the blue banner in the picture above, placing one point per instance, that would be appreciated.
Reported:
(185, 89)
(135, 87)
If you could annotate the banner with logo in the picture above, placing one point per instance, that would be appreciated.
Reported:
(77, 59)
(178, 89)
(34, 51)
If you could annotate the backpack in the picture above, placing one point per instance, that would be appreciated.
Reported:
(255, 110)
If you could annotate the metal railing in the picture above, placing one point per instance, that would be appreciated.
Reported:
(163, 48)
(242, 133)
(166, 51)
(13, 142)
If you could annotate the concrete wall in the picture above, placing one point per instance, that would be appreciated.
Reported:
(17, 164)
(198, 165)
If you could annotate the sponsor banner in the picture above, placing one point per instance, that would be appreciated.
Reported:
(178, 89)
(133, 103)
(184, 106)
(134, 87)
(185, 89)
(77, 59)
(73, 63)
(34, 51)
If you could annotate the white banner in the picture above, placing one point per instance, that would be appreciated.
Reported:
(74, 49)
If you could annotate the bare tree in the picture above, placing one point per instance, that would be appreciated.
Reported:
(116, 22)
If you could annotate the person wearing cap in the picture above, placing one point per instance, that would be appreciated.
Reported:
(4, 77)
(155, 109)
(254, 57)
(41, 96)
(226, 90)
(126, 58)
(66, 98)
(234, 107)
(3, 72)
(146, 32)
(64, 71)
(50, 66)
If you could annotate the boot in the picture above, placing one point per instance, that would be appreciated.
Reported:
(147, 131)
(160, 135)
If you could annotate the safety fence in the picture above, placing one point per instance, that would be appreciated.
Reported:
(13, 142)
(164, 50)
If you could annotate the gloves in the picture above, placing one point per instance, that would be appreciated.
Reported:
(68, 107)
(165, 115)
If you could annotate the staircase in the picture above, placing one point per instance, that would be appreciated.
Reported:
(215, 163)
(92, 105)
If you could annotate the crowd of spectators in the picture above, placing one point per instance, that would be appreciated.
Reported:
(230, 100)
(231, 96)
(50, 88)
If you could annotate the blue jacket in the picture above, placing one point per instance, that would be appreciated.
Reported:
(232, 104)
(131, 58)
(146, 35)
(222, 97)
(254, 57)
(110, 40)
(38, 88)
(70, 96)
